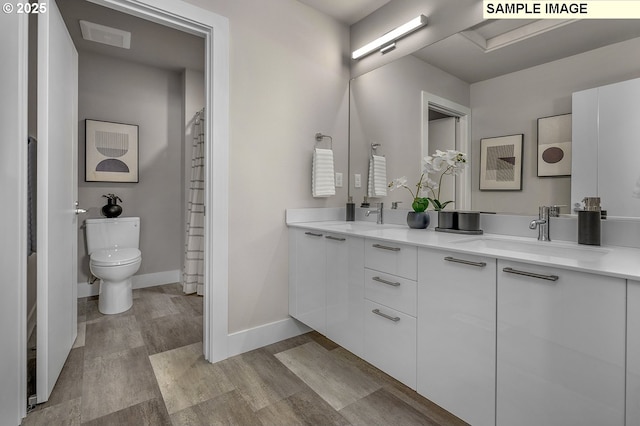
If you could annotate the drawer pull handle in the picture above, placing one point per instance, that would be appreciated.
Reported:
(531, 274)
(313, 234)
(380, 246)
(466, 262)
(389, 317)
(380, 280)
(331, 237)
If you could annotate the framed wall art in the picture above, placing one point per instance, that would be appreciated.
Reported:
(111, 152)
(501, 163)
(554, 145)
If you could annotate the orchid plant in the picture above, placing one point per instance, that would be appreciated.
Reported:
(451, 163)
(441, 163)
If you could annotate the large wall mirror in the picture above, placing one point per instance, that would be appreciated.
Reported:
(502, 80)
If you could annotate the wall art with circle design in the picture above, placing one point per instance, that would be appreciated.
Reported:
(111, 152)
(554, 145)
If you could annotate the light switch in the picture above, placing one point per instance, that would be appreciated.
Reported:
(338, 180)
(357, 180)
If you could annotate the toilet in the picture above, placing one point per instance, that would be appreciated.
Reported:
(113, 246)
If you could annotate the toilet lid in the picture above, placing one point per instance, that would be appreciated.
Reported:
(115, 257)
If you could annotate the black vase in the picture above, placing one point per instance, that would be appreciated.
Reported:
(111, 209)
(418, 220)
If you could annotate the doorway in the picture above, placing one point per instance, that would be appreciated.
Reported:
(203, 23)
(454, 125)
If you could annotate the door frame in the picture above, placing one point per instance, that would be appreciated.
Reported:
(463, 140)
(214, 29)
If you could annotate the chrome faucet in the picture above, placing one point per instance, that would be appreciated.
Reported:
(542, 223)
(378, 211)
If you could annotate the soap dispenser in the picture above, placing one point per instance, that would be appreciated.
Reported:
(589, 222)
(351, 210)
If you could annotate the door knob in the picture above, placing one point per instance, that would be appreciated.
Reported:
(79, 210)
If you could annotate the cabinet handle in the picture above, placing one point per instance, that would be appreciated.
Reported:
(531, 274)
(389, 317)
(466, 262)
(313, 234)
(331, 237)
(380, 246)
(380, 280)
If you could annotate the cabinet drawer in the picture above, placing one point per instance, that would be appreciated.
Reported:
(390, 342)
(392, 258)
(391, 291)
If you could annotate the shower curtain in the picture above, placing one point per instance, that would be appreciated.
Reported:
(193, 269)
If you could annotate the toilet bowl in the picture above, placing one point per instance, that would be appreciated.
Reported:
(114, 257)
(115, 267)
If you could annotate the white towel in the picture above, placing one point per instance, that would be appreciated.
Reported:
(322, 176)
(377, 176)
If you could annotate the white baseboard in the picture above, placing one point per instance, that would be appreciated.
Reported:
(138, 281)
(263, 335)
(31, 321)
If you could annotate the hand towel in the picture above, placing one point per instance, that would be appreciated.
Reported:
(322, 175)
(377, 186)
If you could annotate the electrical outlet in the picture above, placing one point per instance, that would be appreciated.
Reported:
(338, 180)
(357, 180)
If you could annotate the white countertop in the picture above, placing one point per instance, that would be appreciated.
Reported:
(621, 262)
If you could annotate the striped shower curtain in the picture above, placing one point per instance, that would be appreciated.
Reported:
(193, 269)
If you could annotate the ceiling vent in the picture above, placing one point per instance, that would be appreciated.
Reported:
(105, 35)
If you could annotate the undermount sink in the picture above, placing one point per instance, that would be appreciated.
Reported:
(541, 248)
(360, 226)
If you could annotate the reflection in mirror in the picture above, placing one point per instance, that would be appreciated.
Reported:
(387, 108)
(504, 100)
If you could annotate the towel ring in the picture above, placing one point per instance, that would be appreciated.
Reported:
(374, 147)
(320, 137)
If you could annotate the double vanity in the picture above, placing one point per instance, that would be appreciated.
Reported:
(497, 330)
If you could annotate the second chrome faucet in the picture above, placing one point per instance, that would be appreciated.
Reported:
(542, 223)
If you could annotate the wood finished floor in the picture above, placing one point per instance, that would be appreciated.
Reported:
(145, 367)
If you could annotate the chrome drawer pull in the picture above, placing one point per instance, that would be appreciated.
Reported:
(531, 274)
(331, 237)
(313, 234)
(377, 312)
(380, 246)
(380, 280)
(465, 262)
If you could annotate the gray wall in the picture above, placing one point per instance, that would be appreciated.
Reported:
(125, 92)
(512, 103)
(289, 73)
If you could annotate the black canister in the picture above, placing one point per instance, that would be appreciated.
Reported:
(589, 227)
(468, 221)
(447, 219)
(351, 210)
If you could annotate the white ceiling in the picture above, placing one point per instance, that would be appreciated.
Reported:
(520, 43)
(347, 11)
(151, 44)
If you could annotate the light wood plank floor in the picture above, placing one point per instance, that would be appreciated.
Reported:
(145, 367)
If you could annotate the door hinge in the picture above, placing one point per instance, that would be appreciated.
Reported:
(32, 401)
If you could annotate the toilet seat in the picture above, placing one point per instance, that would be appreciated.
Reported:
(115, 257)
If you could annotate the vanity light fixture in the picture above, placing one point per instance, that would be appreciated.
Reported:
(389, 39)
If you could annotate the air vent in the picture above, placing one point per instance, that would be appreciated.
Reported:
(105, 35)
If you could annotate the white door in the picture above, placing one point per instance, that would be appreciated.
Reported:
(57, 191)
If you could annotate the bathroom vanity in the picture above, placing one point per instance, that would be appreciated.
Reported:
(497, 330)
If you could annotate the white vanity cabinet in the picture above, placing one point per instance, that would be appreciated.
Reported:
(560, 347)
(390, 308)
(633, 353)
(326, 284)
(457, 333)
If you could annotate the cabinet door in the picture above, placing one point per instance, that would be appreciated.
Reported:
(345, 291)
(560, 347)
(390, 342)
(633, 353)
(307, 291)
(456, 333)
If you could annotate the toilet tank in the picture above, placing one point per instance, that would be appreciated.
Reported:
(120, 232)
